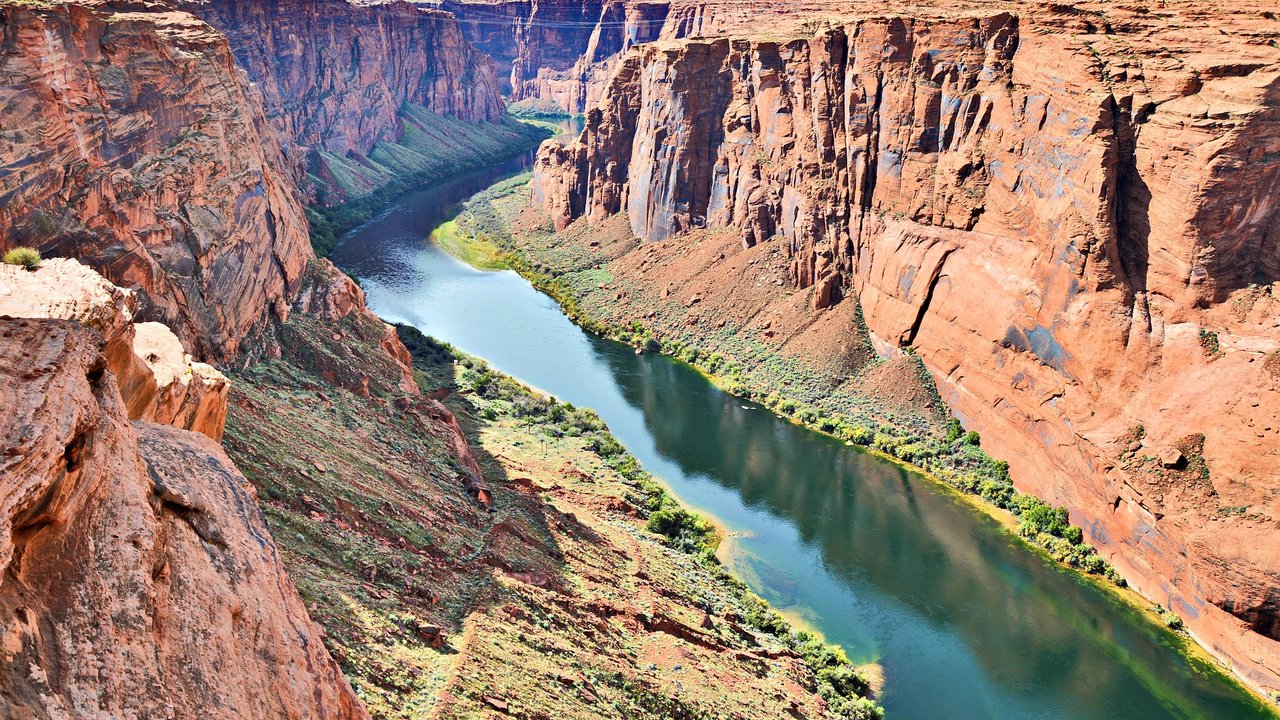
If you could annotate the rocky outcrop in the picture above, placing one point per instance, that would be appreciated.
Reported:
(1064, 210)
(157, 379)
(139, 578)
(330, 296)
(334, 75)
(134, 144)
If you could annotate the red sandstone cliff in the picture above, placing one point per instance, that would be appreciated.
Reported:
(334, 75)
(139, 577)
(133, 143)
(558, 55)
(158, 380)
(1065, 210)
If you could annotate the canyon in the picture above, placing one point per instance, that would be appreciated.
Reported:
(162, 156)
(266, 505)
(1063, 210)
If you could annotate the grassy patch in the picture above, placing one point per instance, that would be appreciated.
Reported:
(476, 251)
(25, 257)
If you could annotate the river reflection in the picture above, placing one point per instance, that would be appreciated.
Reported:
(966, 621)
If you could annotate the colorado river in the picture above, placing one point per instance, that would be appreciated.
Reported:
(967, 622)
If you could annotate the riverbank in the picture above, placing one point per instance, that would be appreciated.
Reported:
(610, 285)
(532, 587)
(529, 431)
(579, 273)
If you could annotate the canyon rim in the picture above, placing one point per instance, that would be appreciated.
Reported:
(1030, 249)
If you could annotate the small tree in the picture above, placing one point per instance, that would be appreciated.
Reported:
(26, 257)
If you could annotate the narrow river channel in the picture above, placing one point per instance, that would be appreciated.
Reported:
(967, 622)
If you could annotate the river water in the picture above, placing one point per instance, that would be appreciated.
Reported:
(966, 621)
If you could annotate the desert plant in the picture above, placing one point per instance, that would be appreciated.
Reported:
(26, 257)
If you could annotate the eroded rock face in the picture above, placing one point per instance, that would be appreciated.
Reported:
(139, 579)
(557, 56)
(335, 74)
(1065, 210)
(135, 145)
(190, 395)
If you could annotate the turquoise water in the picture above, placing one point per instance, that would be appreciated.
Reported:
(966, 621)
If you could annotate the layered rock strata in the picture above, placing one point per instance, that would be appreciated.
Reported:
(141, 141)
(334, 75)
(134, 144)
(157, 379)
(1064, 210)
(556, 56)
(139, 578)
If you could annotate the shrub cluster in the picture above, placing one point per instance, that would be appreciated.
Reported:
(26, 257)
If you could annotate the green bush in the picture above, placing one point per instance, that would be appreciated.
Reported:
(1170, 620)
(859, 435)
(26, 257)
(972, 438)
(605, 446)
(954, 430)
(1039, 517)
(684, 530)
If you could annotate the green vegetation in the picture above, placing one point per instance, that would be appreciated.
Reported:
(839, 683)
(476, 251)
(1209, 341)
(1170, 620)
(26, 257)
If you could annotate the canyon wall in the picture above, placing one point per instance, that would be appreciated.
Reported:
(1065, 210)
(557, 56)
(334, 75)
(133, 143)
(139, 577)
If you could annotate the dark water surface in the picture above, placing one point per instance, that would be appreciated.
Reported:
(966, 621)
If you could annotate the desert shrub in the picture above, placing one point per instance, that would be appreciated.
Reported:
(1170, 620)
(529, 406)
(1039, 517)
(26, 257)
(605, 446)
(954, 430)
(1208, 341)
(855, 708)
(859, 435)
(995, 492)
(684, 530)
(425, 350)
(972, 438)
